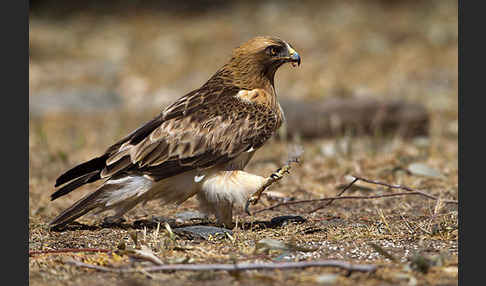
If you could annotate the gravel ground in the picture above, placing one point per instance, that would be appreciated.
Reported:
(95, 75)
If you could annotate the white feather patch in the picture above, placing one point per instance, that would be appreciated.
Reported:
(231, 186)
(198, 178)
(244, 94)
(175, 189)
(130, 187)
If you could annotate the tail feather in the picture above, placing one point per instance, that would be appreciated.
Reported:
(121, 193)
(88, 178)
(96, 164)
(78, 209)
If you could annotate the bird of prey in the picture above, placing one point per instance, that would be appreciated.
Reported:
(199, 145)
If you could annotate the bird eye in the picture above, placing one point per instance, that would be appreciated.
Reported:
(273, 51)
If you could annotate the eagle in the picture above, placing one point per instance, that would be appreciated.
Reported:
(197, 146)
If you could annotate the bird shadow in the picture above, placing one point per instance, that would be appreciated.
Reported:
(154, 222)
(275, 222)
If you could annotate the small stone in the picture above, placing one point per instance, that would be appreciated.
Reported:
(284, 220)
(271, 244)
(328, 150)
(423, 170)
(327, 279)
(190, 215)
(421, 142)
(451, 270)
(202, 232)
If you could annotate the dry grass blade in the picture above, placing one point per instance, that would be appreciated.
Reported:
(172, 236)
(145, 253)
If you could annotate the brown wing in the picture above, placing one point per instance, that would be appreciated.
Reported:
(206, 127)
(198, 131)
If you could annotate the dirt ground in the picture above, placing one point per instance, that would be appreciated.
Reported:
(94, 76)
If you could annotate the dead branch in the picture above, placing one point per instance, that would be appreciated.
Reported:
(68, 250)
(233, 267)
(330, 201)
(409, 191)
(405, 188)
(335, 115)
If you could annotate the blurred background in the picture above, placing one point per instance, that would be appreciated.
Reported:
(98, 69)
(91, 55)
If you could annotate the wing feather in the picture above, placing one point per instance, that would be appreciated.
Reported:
(199, 132)
(114, 168)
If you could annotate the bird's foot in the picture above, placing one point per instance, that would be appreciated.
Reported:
(294, 154)
(274, 177)
(277, 175)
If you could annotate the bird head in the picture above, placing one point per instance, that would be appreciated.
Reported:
(262, 56)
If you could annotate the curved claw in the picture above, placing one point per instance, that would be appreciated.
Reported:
(252, 200)
(247, 205)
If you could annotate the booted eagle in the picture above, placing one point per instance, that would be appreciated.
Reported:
(199, 145)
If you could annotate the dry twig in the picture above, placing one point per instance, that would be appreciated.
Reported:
(409, 191)
(234, 267)
(333, 198)
(330, 201)
(69, 250)
(405, 188)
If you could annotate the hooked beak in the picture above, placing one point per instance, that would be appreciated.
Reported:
(293, 57)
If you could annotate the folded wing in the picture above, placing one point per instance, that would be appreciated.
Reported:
(205, 128)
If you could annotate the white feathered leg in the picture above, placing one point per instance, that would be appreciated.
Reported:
(222, 191)
(223, 210)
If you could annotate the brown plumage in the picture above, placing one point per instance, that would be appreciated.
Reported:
(198, 145)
